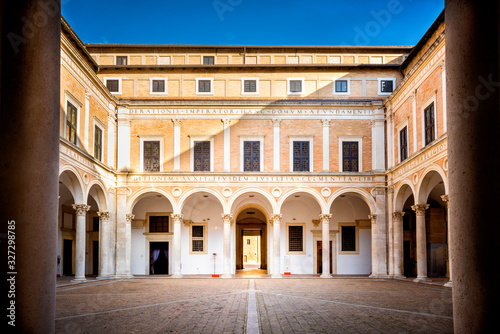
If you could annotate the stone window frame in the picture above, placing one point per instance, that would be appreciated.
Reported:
(400, 127)
(205, 239)
(356, 237)
(151, 92)
(288, 80)
(310, 139)
(100, 125)
(119, 92)
(155, 214)
(121, 56)
(142, 139)
(427, 103)
(243, 139)
(334, 80)
(211, 92)
(288, 252)
(243, 86)
(359, 139)
(208, 57)
(379, 89)
(195, 138)
(70, 98)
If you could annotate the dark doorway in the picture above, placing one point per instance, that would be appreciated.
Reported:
(67, 257)
(319, 256)
(158, 259)
(95, 257)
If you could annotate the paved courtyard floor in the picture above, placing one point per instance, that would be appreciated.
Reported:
(253, 305)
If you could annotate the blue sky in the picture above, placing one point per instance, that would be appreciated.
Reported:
(252, 22)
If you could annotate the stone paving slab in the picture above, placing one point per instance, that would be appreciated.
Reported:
(283, 306)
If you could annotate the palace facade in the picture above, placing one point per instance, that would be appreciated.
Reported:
(186, 160)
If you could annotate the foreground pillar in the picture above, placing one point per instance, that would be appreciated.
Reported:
(446, 199)
(81, 231)
(226, 219)
(325, 223)
(177, 220)
(276, 219)
(397, 218)
(123, 235)
(421, 242)
(29, 168)
(473, 99)
(104, 244)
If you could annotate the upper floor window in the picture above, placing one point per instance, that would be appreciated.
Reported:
(295, 238)
(386, 86)
(151, 154)
(97, 143)
(204, 86)
(201, 156)
(251, 156)
(349, 239)
(350, 160)
(429, 124)
(301, 158)
(121, 60)
(250, 86)
(341, 86)
(295, 86)
(403, 144)
(113, 85)
(208, 60)
(71, 122)
(158, 224)
(198, 238)
(158, 86)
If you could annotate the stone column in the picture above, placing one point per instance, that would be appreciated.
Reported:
(177, 144)
(373, 219)
(81, 231)
(177, 220)
(123, 234)
(390, 239)
(227, 219)
(446, 200)
(123, 149)
(473, 98)
(111, 139)
(276, 144)
(378, 140)
(227, 144)
(104, 244)
(326, 145)
(397, 218)
(421, 242)
(29, 144)
(275, 220)
(325, 223)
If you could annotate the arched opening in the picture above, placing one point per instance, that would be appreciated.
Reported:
(404, 201)
(151, 235)
(96, 199)
(351, 235)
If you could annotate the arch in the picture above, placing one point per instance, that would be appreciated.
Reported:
(74, 182)
(252, 206)
(423, 185)
(400, 198)
(136, 197)
(187, 194)
(100, 194)
(364, 195)
(240, 192)
(316, 195)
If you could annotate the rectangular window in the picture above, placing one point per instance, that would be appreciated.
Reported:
(204, 86)
(158, 86)
(113, 85)
(158, 224)
(350, 156)
(71, 121)
(121, 60)
(198, 238)
(341, 86)
(95, 224)
(301, 156)
(151, 156)
(201, 156)
(98, 143)
(403, 144)
(295, 238)
(429, 124)
(295, 86)
(348, 239)
(250, 86)
(386, 86)
(208, 60)
(251, 156)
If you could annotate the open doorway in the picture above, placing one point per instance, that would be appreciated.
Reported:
(158, 258)
(251, 242)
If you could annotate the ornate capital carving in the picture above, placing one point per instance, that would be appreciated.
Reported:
(176, 121)
(325, 121)
(227, 218)
(397, 216)
(445, 198)
(129, 217)
(226, 121)
(177, 218)
(390, 189)
(420, 209)
(276, 218)
(104, 216)
(325, 218)
(276, 121)
(315, 222)
(81, 209)
(373, 218)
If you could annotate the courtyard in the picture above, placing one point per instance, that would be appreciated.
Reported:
(252, 305)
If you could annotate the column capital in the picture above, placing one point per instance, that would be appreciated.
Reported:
(276, 218)
(227, 218)
(398, 216)
(420, 209)
(81, 209)
(104, 216)
(129, 217)
(177, 217)
(373, 218)
(226, 121)
(276, 121)
(325, 218)
(445, 198)
(176, 121)
(325, 121)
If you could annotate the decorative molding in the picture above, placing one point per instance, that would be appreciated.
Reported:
(315, 222)
(325, 121)
(227, 218)
(81, 209)
(276, 218)
(177, 218)
(373, 218)
(398, 216)
(129, 217)
(104, 216)
(276, 122)
(420, 209)
(176, 121)
(226, 122)
(325, 218)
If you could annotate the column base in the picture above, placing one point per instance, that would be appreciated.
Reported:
(326, 276)
(398, 276)
(448, 284)
(227, 276)
(379, 276)
(123, 276)
(421, 280)
(79, 280)
(275, 276)
(176, 275)
(100, 278)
